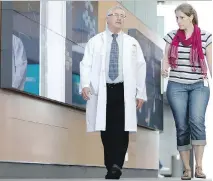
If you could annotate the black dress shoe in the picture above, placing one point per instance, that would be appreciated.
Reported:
(108, 176)
(114, 173)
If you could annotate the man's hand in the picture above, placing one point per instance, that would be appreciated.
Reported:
(85, 93)
(139, 103)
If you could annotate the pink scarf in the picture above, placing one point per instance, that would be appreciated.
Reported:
(196, 53)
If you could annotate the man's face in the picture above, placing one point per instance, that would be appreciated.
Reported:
(116, 19)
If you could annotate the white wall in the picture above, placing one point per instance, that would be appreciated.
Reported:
(52, 51)
(167, 138)
(160, 25)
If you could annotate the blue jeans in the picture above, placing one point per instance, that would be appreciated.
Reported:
(188, 103)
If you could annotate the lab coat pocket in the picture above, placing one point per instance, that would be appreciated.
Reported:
(134, 59)
(134, 52)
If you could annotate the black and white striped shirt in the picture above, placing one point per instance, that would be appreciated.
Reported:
(183, 73)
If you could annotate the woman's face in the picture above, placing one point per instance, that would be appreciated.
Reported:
(183, 20)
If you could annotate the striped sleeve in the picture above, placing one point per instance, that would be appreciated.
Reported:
(208, 39)
(169, 36)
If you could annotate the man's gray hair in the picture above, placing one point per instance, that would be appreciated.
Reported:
(110, 11)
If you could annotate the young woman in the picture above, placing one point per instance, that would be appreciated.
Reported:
(188, 54)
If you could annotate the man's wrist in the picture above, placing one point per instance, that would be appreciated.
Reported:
(140, 95)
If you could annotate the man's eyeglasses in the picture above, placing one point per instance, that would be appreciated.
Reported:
(118, 15)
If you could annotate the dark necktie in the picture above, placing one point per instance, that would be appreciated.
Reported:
(114, 54)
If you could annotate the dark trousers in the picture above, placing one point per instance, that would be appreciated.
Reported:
(115, 140)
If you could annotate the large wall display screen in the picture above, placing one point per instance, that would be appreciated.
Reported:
(42, 45)
(151, 114)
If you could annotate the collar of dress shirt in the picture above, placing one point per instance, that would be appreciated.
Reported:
(110, 33)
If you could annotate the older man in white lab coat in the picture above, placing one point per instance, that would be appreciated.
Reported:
(19, 64)
(112, 80)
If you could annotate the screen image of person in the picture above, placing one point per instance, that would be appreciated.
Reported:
(19, 63)
(25, 46)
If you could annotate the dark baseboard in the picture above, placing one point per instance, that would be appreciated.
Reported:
(35, 170)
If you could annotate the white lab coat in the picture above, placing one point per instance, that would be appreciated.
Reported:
(92, 74)
(19, 59)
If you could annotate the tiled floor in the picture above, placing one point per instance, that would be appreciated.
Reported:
(124, 179)
(142, 179)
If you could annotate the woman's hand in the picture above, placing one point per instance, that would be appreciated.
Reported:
(165, 69)
(209, 58)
